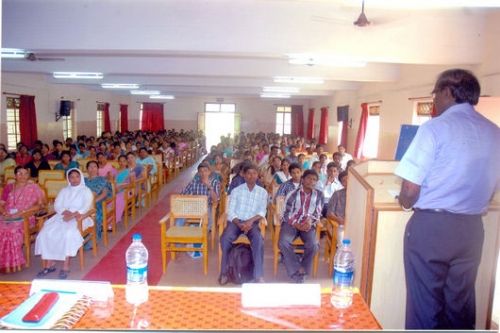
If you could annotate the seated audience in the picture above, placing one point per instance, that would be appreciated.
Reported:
(204, 185)
(122, 180)
(106, 169)
(37, 163)
(247, 205)
(102, 190)
(5, 161)
(23, 156)
(16, 198)
(284, 174)
(302, 213)
(293, 183)
(345, 157)
(60, 238)
(332, 183)
(66, 162)
(336, 206)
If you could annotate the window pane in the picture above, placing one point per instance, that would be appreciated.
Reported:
(279, 109)
(288, 109)
(228, 107)
(370, 146)
(211, 107)
(287, 129)
(288, 118)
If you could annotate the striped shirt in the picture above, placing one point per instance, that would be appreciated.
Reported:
(287, 187)
(301, 205)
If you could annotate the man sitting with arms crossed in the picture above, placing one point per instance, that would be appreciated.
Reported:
(247, 205)
(302, 213)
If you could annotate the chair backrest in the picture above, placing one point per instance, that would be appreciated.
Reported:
(280, 209)
(115, 164)
(9, 174)
(44, 175)
(189, 206)
(83, 163)
(52, 188)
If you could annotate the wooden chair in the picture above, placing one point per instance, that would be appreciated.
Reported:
(109, 215)
(192, 207)
(297, 242)
(89, 231)
(242, 239)
(331, 228)
(44, 175)
(52, 188)
(83, 163)
(143, 195)
(155, 182)
(129, 196)
(30, 231)
(9, 175)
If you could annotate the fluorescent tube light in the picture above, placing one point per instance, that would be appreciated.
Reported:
(281, 89)
(13, 53)
(322, 60)
(299, 80)
(120, 86)
(145, 92)
(274, 95)
(78, 75)
(162, 97)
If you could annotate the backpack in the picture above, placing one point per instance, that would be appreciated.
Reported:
(240, 264)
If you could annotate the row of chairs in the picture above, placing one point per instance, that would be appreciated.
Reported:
(194, 208)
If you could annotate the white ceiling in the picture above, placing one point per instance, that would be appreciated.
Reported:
(235, 47)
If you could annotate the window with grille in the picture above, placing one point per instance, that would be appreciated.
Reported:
(422, 111)
(100, 118)
(370, 146)
(283, 119)
(220, 107)
(13, 133)
(68, 123)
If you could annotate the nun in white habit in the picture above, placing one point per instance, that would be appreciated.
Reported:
(60, 238)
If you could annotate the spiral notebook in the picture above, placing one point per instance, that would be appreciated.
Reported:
(68, 304)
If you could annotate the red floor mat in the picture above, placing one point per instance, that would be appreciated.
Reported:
(112, 266)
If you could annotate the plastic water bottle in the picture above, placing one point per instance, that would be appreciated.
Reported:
(343, 276)
(136, 291)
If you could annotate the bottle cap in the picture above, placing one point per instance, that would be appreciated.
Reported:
(137, 237)
(346, 241)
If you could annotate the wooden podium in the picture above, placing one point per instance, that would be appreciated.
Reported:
(375, 223)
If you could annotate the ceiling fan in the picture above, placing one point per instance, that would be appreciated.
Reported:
(362, 21)
(30, 56)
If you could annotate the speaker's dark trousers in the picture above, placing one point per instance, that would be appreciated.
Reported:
(442, 252)
(231, 233)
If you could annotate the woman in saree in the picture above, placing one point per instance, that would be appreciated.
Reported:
(102, 190)
(16, 198)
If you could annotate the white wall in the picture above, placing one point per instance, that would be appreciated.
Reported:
(256, 114)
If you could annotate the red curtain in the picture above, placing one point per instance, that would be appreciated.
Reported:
(27, 120)
(152, 117)
(323, 126)
(107, 122)
(297, 120)
(123, 118)
(310, 124)
(360, 139)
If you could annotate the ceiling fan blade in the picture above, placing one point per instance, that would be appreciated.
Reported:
(50, 59)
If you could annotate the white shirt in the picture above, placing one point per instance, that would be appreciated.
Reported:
(329, 189)
(345, 158)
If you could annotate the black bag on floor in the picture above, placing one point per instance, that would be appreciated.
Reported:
(240, 264)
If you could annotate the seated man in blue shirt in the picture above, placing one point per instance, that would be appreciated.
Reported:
(247, 205)
(302, 213)
(203, 184)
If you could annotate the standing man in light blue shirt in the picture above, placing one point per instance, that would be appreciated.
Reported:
(450, 172)
(247, 205)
